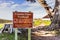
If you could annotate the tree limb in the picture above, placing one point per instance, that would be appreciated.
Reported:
(47, 8)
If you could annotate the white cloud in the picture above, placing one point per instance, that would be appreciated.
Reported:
(6, 13)
(15, 5)
(30, 4)
(37, 10)
(3, 5)
(9, 4)
(9, 7)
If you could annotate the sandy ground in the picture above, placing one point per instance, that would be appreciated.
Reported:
(44, 35)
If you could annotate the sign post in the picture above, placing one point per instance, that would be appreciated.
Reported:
(29, 33)
(16, 38)
(23, 20)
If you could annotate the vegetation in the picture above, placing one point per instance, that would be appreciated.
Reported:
(5, 21)
(23, 37)
(39, 22)
(1, 25)
(7, 36)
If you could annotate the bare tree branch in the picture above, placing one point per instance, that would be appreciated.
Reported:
(47, 8)
(31, 0)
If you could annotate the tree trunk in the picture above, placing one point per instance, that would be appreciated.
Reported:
(55, 19)
(55, 23)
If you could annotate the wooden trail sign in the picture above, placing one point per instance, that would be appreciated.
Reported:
(22, 19)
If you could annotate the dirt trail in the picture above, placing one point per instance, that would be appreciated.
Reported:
(45, 38)
(44, 35)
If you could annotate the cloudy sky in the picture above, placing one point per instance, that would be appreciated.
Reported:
(7, 7)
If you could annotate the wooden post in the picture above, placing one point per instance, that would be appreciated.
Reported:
(16, 38)
(29, 33)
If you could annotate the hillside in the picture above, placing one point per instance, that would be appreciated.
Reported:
(5, 21)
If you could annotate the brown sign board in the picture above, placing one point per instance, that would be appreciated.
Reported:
(22, 19)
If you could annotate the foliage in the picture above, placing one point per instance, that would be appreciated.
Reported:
(7, 36)
(39, 22)
(1, 26)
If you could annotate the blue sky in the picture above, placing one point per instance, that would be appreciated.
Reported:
(7, 7)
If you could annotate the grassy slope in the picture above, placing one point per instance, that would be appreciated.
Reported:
(5, 21)
(2, 21)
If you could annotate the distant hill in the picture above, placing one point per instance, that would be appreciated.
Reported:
(5, 21)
